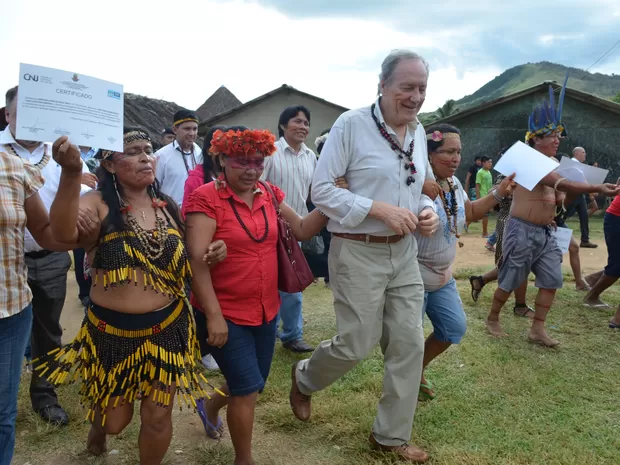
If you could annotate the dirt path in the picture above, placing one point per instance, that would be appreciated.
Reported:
(189, 444)
(473, 254)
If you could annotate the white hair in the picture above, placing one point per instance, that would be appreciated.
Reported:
(391, 61)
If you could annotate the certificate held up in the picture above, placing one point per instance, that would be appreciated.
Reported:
(52, 103)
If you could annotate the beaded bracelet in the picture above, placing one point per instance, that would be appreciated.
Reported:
(497, 197)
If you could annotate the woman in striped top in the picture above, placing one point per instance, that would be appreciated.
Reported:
(436, 253)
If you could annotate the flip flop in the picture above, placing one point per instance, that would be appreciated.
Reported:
(613, 325)
(585, 288)
(426, 395)
(475, 293)
(601, 305)
(527, 309)
(213, 431)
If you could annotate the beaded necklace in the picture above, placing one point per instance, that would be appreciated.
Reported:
(245, 228)
(451, 208)
(409, 165)
(180, 149)
(152, 242)
(41, 164)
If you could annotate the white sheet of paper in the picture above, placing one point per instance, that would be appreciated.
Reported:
(529, 165)
(572, 173)
(562, 238)
(52, 103)
(591, 174)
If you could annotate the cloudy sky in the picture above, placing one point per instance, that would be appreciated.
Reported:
(183, 51)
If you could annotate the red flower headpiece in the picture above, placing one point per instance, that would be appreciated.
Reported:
(234, 143)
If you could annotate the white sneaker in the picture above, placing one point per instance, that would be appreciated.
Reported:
(209, 362)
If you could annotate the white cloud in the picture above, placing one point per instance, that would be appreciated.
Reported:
(183, 51)
(551, 39)
(445, 83)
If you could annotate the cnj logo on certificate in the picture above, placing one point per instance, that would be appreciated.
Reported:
(53, 103)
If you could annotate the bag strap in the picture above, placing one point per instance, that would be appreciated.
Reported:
(273, 196)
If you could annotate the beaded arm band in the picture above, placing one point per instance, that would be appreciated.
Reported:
(557, 183)
(555, 188)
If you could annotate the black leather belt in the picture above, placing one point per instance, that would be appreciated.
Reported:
(370, 239)
(38, 254)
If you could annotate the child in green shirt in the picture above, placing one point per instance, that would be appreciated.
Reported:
(484, 183)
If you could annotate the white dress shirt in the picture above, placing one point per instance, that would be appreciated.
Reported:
(356, 149)
(173, 167)
(51, 173)
(292, 172)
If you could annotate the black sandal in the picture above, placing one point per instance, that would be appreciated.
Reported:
(475, 293)
(525, 308)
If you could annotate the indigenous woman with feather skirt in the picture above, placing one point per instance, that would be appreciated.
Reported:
(138, 340)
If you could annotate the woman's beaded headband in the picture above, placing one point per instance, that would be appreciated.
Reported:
(128, 138)
(438, 136)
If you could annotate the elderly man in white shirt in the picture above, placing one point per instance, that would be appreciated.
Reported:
(373, 268)
(176, 160)
(291, 168)
(580, 206)
(47, 270)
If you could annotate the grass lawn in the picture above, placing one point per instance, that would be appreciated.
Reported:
(500, 401)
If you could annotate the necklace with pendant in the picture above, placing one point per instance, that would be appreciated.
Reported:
(153, 242)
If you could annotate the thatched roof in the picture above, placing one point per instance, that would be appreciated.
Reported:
(222, 100)
(150, 114)
(154, 115)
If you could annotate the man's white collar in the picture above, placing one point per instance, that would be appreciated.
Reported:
(7, 138)
(178, 146)
(285, 144)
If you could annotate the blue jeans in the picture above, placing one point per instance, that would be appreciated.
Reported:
(611, 227)
(492, 240)
(245, 359)
(14, 336)
(292, 319)
(445, 310)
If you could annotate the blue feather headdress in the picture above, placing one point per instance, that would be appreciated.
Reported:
(545, 119)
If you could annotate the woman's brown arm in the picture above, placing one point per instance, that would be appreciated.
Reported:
(199, 232)
(304, 228)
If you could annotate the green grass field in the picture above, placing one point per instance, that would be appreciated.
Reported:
(500, 401)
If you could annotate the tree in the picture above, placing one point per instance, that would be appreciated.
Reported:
(616, 98)
(448, 109)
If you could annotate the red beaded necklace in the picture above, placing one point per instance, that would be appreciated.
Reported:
(409, 165)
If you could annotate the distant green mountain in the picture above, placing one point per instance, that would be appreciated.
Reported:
(523, 76)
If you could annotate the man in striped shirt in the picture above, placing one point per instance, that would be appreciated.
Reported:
(291, 168)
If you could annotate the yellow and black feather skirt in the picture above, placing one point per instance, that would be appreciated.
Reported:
(119, 357)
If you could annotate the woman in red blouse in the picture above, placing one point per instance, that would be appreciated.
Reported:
(240, 295)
